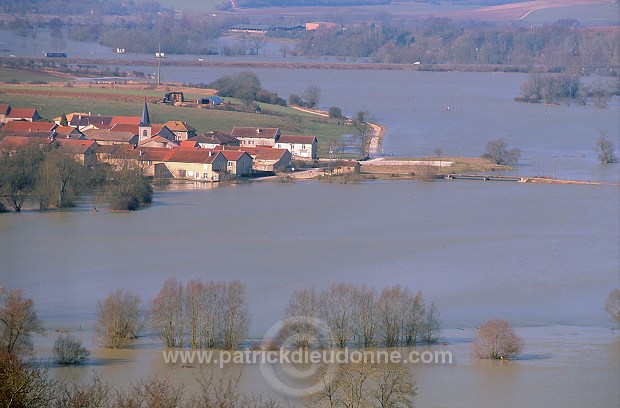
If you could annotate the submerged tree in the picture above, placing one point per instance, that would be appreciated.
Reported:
(612, 306)
(497, 340)
(69, 350)
(606, 149)
(363, 385)
(58, 181)
(167, 314)
(127, 188)
(120, 319)
(497, 152)
(18, 320)
(18, 174)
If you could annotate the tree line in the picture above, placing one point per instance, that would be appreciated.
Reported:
(24, 382)
(359, 316)
(443, 41)
(556, 47)
(554, 88)
(55, 179)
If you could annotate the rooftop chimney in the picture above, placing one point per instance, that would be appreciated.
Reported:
(257, 130)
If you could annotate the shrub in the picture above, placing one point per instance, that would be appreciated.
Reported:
(69, 350)
(497, 340)
(335, 112)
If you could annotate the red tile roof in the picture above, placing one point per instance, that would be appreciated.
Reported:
(271, 154)
(66, 130)
(28, 126)
(262, 133)
(4, 108)
(189, 144)
(26, 133)
(191, 156)
(232, 155)
(22, 113)
(21, 142)
(77, 146)
(297, 139)
(125, 120)
(178, 126)
(124, 127)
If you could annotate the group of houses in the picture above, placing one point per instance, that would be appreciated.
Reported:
(172, 149)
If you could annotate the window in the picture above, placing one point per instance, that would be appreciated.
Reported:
(144, 133)
(205, 175)
(231, 163)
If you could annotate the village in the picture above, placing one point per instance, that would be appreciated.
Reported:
(172, 150)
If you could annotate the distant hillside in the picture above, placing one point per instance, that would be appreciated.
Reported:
(341, 3)
(305, 3)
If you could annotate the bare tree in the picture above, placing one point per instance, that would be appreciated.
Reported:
(497, 340)
(225, 393)
(612, 306)
(336, 307)
(414, 319)
(151, 392)
(365, 316)
(391, 308)
(302, 308)
(120, 319)
(167, 314)
(431, 326)
(497, 152)
(364, 385)
(361, 122)
(236, 315)
(18, 320)
(605, 149)
(257, 43)
(212, 328)
(395, 387)
(195, 310)
(92, 394)
(312, 96)
(18, 174)
(69, 350)
(438, 153)
(24, 383)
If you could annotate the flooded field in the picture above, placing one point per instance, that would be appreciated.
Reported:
(478, 249)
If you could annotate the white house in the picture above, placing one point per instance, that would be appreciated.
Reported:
(299, 146)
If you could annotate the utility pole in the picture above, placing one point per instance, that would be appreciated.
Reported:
(158, 56)
(554, 167)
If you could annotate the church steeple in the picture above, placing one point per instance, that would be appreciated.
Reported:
(144, 128)
(145, 120)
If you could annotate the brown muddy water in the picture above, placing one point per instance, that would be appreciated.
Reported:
(542, 256)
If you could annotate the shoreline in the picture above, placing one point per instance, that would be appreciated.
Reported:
(377, 132)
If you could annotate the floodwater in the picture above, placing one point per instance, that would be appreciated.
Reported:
(542, 256)
(458, 112)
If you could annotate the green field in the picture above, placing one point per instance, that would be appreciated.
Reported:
(25, 76)
(204, 120)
